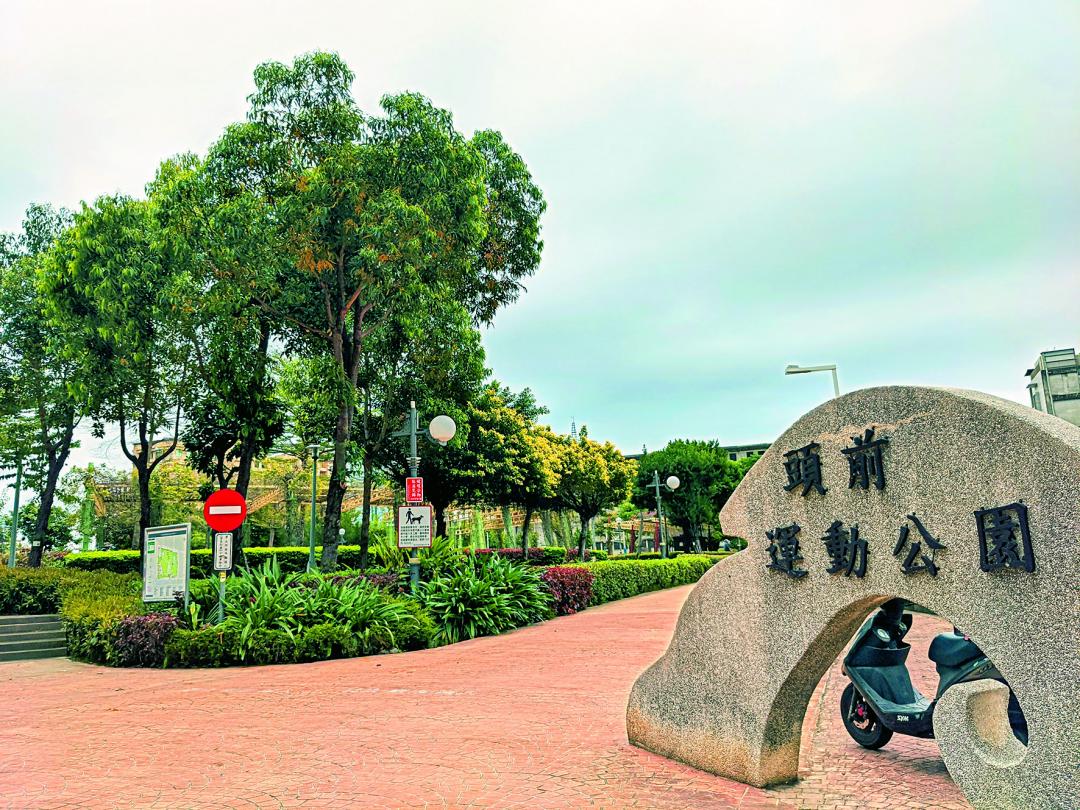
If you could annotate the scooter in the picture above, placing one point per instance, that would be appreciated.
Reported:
(881, 700)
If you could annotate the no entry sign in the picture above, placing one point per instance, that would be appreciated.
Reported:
(414, 490)
(225, 510)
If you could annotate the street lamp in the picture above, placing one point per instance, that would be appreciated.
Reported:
(794, 369)
(672, 482)
(314, 448)
(14, 512)
(440, 430)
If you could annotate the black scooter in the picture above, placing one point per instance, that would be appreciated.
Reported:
(881, 699)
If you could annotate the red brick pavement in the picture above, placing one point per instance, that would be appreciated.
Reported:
(530, 719)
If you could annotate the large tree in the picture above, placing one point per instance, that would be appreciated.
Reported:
(592, 477)
(113, 292)
(38, 414)
(707, 477)
(430, 353)
(368, 207)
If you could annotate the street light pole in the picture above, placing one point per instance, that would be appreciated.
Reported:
(15, 514)
(672, 483)
(314, 448)
(441, 430)
(795, 369)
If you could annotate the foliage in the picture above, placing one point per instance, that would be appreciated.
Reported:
(38, 413)
(592, 477)
(140, 640)
(114, 294)
(618, 579)
(570, 588)
(483, 599)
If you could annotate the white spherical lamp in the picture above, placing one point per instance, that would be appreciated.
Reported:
(442, 429)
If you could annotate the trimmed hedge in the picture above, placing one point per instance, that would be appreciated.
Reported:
(294, 558)
(618, 579)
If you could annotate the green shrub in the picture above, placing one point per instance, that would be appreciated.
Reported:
(292, 559)
(324, 641)
(420, 632)
(618, 579)
(27, 591)
(485, 598)
(92, 606)
(208, 647)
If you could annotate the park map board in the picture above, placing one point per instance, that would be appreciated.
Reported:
(166, 562)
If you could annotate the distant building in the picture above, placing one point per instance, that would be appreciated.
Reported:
(1055, 384)
(737, 452)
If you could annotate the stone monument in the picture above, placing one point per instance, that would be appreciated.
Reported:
(964, 503)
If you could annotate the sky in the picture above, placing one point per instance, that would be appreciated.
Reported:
(731, 186)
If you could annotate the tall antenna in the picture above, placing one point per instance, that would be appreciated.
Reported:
(573, 430)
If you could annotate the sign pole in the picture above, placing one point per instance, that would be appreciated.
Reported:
(414, 468)
(221, 597)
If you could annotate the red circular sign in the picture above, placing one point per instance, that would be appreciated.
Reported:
(225, 510)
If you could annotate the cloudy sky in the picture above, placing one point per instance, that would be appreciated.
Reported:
(732, 186)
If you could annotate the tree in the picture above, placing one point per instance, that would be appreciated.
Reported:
(38, 414)
(429, 353)
(707, 477)
(368, 207)
(592, 477)
(112, 294)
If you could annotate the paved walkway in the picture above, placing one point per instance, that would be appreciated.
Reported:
(531, 719)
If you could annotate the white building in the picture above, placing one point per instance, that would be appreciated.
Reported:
(1055, 384)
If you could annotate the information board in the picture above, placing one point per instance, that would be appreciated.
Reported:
(166, 562)
(414, 527)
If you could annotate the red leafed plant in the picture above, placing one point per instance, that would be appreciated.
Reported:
(571, 588)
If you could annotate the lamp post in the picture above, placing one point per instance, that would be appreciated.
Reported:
(440, 430)
(794, 369)
(314, 448)
(672, 483)
(15, 514)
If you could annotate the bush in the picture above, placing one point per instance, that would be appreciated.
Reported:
(207, 647)
(324, 641)
(140, 640)
(484, 599)
(26, 591)
(618, 579)
(292, 559)
(570, 588)
(92, 606)
(538, 555)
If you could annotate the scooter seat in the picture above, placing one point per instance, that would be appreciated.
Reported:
(952, 650)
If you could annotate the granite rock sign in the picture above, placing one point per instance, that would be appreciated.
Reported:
(961, 502)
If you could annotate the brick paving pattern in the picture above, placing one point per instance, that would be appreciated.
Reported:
(531, 719)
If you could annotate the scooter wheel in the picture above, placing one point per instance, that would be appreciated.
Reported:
(864, 726)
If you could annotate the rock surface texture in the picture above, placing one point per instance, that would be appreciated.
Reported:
(730, 693)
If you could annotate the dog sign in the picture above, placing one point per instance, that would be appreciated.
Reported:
(414, 527)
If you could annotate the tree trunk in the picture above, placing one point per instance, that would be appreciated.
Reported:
(335, 495)
(48, 496)
(365, 519)
(547, 527)
(525, 534)
(508, 522)
(440, 507)
(143, 475)
(583, 537)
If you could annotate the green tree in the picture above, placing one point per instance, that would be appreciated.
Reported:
(429, 353)
(38, 414)
(368, 207)
(706, 479)
(112, 293)
(592, 477)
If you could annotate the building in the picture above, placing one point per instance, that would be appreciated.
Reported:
(1055, 384)
(737, 452)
